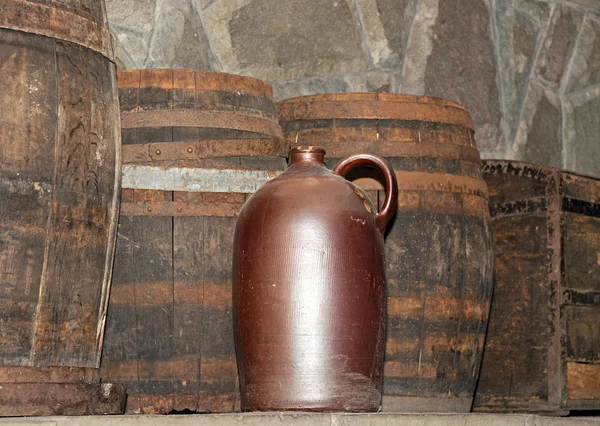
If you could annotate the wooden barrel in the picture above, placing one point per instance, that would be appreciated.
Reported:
(439, 247)
(60, 155)
(187, 135)
(541, 352)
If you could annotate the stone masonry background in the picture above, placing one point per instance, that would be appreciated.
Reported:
(528, 70)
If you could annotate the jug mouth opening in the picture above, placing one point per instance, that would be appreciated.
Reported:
(307, 154)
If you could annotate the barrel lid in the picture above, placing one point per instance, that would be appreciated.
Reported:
(59, 22)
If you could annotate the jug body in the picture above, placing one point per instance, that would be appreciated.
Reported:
(309, 292)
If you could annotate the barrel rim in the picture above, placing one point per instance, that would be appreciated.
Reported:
(374, 97)
(373, 106)
(546, 169)
(48, 21)
(207, 74)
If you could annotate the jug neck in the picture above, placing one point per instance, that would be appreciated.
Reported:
(313, 155)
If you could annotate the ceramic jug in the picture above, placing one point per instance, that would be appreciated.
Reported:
(309, 289)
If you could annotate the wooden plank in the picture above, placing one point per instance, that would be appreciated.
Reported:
(153, 261)
(516, 359)
(475, 300)
(446, 300)
(56, 399)
(218, 370)
(184, 89)
(514, 181)
(120, 344)
(582, 252)
(581, 188)
(188, 298)
(75, 260)
(26, 172)
(583, 382)
(583, 333)
(48, 375)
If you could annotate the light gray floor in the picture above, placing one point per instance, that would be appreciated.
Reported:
(302, 419)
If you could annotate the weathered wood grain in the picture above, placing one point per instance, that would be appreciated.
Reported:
(81, 22)
(59, 185)
(541, 352)
(68, 311)
(218, 369)
(515, 362)
(61, 179)
(25, 191)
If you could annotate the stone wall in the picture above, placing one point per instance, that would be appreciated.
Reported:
(528, 70)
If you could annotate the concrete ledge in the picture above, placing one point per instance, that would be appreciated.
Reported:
(306, 419)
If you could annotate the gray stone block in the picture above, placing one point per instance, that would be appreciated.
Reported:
(132, 23)
(539, 139)
(558, 45)
(387, 25)
(518, 36)
(273, 39)
(336, 83)
(419, 47)
(592, 5)
(134, 15)
(286, 89)
(537, 10)
(131, 49)
(462, 66)
(585, 70)
(178, 39)
(123, 59)
(582, 132)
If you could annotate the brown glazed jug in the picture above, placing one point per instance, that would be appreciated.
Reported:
(309, 289)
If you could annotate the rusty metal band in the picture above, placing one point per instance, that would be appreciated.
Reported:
(190, 150)
(402, 149)
(195, 179)
(248, 181)
(375, 110)
(36, 18)
(180, 208)
(194, 118)
(49, 375)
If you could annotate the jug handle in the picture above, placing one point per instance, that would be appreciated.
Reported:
(391, 184)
